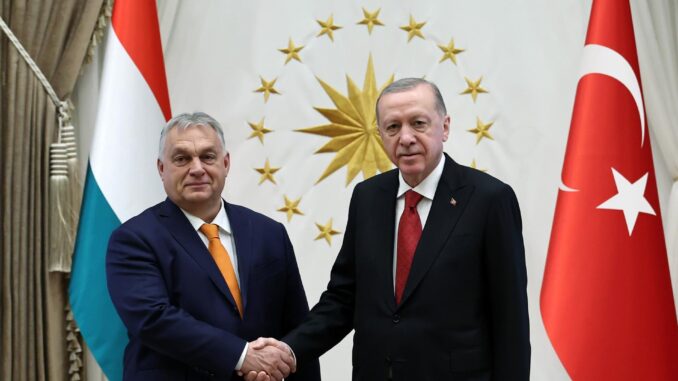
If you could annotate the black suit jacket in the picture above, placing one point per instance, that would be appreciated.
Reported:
(181, 318)
(463, 314)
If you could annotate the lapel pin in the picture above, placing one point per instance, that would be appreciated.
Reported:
(453, 202)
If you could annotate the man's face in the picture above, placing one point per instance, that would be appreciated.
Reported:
(193, 167)
(413, 131)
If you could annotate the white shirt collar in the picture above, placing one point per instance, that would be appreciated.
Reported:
(428, 186)
(221, 219)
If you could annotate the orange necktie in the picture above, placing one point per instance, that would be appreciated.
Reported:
(223, 260)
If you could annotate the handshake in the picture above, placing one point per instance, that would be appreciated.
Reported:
(268, 359)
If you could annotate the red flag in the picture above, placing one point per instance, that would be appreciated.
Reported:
(606, 298)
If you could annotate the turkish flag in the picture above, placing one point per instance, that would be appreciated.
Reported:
(606, 298)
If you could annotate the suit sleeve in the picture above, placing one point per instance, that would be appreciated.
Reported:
(332, 318)
(140, 296)
(507, 278)
(296, 309)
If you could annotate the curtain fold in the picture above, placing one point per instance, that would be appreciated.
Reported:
(56, 34)
(656, 28)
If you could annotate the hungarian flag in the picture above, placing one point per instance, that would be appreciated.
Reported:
(133, 108)
(606, 298)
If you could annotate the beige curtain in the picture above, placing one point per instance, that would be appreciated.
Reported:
(56, 33)
(656, 25)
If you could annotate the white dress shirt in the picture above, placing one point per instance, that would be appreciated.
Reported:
(426, 188)
(225, 234)
(226, 237)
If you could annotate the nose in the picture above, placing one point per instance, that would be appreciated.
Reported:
(196, 168)
(407, 137)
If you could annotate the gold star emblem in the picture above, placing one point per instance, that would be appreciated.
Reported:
(353, 129)
(370, 19)
(267, 173)
(450, 52)
(328, 27)
(473, 88)
(291, 208)
(267, 88)
(326, 232)
(292, 51)
(258, 130)
(474, 166)
(482, 130)
(413, 29)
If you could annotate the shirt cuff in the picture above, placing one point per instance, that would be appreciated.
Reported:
(238, 366)
(294, 357)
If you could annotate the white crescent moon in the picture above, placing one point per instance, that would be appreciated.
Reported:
(598, 59)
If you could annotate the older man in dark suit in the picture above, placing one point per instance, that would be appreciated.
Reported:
(195, 278)
(431, 273)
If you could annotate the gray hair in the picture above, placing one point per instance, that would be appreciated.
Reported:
(185, 120)
(405, 84)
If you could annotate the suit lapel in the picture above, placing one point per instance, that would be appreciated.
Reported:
(383, 229)
(177, 224)
(242, 235)
(440, 223)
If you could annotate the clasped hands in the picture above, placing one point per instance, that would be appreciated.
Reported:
(267, 359)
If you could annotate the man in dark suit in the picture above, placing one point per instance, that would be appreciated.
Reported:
(446, 302)
(195, 278)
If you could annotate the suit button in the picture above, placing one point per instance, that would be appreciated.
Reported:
(396, 318)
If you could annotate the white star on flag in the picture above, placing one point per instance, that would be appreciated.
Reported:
(630, 199)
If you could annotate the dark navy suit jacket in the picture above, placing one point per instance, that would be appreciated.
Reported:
(463, 314)
(180, 316)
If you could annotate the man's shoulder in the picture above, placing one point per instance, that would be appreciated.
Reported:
(145, 218)
(144, 226)
(484, 183)
(383, 180)
(481, 178)
(236, 213)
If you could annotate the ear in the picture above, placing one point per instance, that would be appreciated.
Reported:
(161, 168)
(446, 127)
(227, 162)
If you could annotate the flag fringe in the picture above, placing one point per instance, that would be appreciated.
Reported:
(99, 30)
(74, 346)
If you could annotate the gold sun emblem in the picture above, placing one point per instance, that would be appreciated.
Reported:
(353, 129)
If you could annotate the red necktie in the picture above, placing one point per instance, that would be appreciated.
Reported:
(409, 232)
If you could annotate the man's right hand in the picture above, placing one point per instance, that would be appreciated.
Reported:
(267, 359)
(254, 376)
